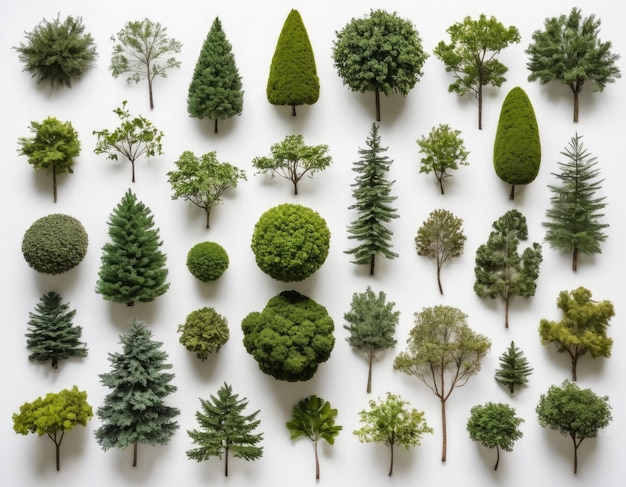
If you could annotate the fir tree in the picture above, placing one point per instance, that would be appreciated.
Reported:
(135, 411)
(514, 369)
(372, 193)
(52, 335)
(133, 267)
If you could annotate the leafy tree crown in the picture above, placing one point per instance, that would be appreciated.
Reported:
(207, 261)
(204, 332)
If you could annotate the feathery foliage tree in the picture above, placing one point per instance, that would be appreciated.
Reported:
(514, 369)
(204, 332)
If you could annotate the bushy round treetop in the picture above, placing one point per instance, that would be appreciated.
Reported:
(204, 332)
(207, 261)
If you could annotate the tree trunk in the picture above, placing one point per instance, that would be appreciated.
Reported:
(391, 460)
(295, 187)
(369, 372)
(512, 193)
(575, 106)
(317, 461)
(293, 110)
(506, 312)
(226, 463)
(55, 363)
(132, 171)
(215, 126)
(576, 445)
(57, 448)
(444, 446)
(150, 91)
(480, 104)
(441, 185)
(54, 183)
(574, 364)
(372, 262)
(130, 303)
(377, 97)
(134, 454)
(208, 214)
(439, 279)
(497, 457)
(575, 259)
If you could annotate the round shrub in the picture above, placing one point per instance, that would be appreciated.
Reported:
(207, 261)
(290, 242)
(54, 244)
(204, 332)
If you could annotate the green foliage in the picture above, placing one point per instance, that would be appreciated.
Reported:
(372, 325)
(290, 242)
(441, 238)
(225, 429)
(293, 75)
(135, 410)
(517, 148)
(574, 224)
(204, 332)
(291, 159)
(500, 270)
(372, 192)
(471, 55)
(57, 52)
(381, 52)
(53, 416)
(583, 327)
(569, 51)
(52, 335)
(132, 266)
(215, 90)
(514, 369)
(290, 337)
(142, 51)
(314, 418)
(55, 244)
(53, 148)
(391, 422)
(207, 261)
(574, 412)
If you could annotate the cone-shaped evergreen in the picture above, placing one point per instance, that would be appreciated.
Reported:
(372, 193)
(293, 75)
(51, 334)
(215, 91)
(133, 267)
(135, 411)
(514, 369)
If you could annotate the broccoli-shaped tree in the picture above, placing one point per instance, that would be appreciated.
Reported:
(441, 238)
(207, 261)
(135, 137)
(204, 332)
(290, 337)
(443, 352)
(381, 52)
(225, 429)
(443, 150)
(290, 242)
(53, 148)
(471, 56)
(314, 418)
(500, 270)
(583, 328)
(203, 180)
(132, 264)
(142, 51)
(293, 77)
(292, 160)
(52, 335)
(58, 52)
(514, 369)
(517, 147)
(215, 90)
(574, 412)
(372, 192)
(569, 51)
(53, 416)
(135, 410)
(574, 219)
(391, 422)
(372, 326)
(494, 425)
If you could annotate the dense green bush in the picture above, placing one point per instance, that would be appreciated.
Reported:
(207, 261)
(204, 332)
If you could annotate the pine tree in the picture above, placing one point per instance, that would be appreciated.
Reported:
(135, 411)
(225, 429)
(215, 90)
(372, 193)
(133, 267)
(514, 369)
(574, 218)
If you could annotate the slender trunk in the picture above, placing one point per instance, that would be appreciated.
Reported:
(293, 110)
(208, 215)
(497, 457)
(444, 446)
(57, 448)
(134, 454)
(512, 193)
(150, 91)
(215, 126)
(226, 463)
(391, 460)
(317, 461)
(574, 364)
(441, 185)
(506, 313)
(369, 372)
(480, 104)
(575, 259)
(372, 262)
(54, 183)
(295, 187)
(132, 171)
(439, 279)
(130, 303)
(377, 96)
(576, 445)
(575, 105)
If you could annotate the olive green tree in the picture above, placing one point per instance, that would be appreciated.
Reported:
(204, 332)
(207, 261)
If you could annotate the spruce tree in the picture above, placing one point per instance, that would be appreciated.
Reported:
(135, 411)
(514, 369)
(372, 193)
(215, 91)
(133, 267)
(52, 335)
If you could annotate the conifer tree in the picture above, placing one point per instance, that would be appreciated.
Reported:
(372, 193)
(215, 90)
(514, 369)
(135, 410)
(133, 267)
(52, 335)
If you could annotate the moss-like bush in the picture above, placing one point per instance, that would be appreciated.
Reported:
(204, 332)
(207, 261)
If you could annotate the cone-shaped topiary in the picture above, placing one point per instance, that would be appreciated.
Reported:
(207, 261)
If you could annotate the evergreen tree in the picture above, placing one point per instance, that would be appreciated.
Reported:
(225, 429)
(514, 369)
(574, 218)
(51, 334)
(133, 267)
(215, 90)
(372, 193)
(135, 411)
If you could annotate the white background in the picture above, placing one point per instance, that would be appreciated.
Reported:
(342, 119)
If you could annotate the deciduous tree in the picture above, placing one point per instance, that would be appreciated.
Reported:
(204, 332)
(514, 369)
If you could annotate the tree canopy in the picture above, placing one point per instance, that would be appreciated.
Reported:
(514, 369)
(207, 261)
(204, 332)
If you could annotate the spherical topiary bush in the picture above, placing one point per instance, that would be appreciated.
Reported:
(290, 242)
(54, 244)
(207, 261)
(204, 332)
